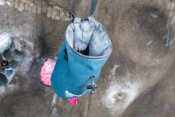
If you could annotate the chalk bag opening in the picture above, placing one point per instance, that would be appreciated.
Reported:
(85, 50)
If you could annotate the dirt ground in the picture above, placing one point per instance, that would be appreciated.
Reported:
(137, 81)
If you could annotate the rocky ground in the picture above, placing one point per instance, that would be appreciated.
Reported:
(137, 81)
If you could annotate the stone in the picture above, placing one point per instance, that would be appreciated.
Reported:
(137, 81)
(11, 3)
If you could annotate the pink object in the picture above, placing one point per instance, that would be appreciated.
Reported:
(46, 72)
(73, 101)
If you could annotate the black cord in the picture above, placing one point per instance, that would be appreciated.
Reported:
(70, 11)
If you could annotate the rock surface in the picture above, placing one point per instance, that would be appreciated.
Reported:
(137, 81)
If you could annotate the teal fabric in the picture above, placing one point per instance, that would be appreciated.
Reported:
(85, 50)
(71, 77)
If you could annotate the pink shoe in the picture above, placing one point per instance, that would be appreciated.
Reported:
(46, 72)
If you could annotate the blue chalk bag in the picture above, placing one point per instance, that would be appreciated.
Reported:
(85, 50)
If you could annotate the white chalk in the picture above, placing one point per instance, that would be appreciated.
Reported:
(5, 42)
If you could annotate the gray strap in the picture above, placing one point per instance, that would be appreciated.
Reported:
(93, 8)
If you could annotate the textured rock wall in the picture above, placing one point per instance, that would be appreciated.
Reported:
(138, 80)
(54, 12)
